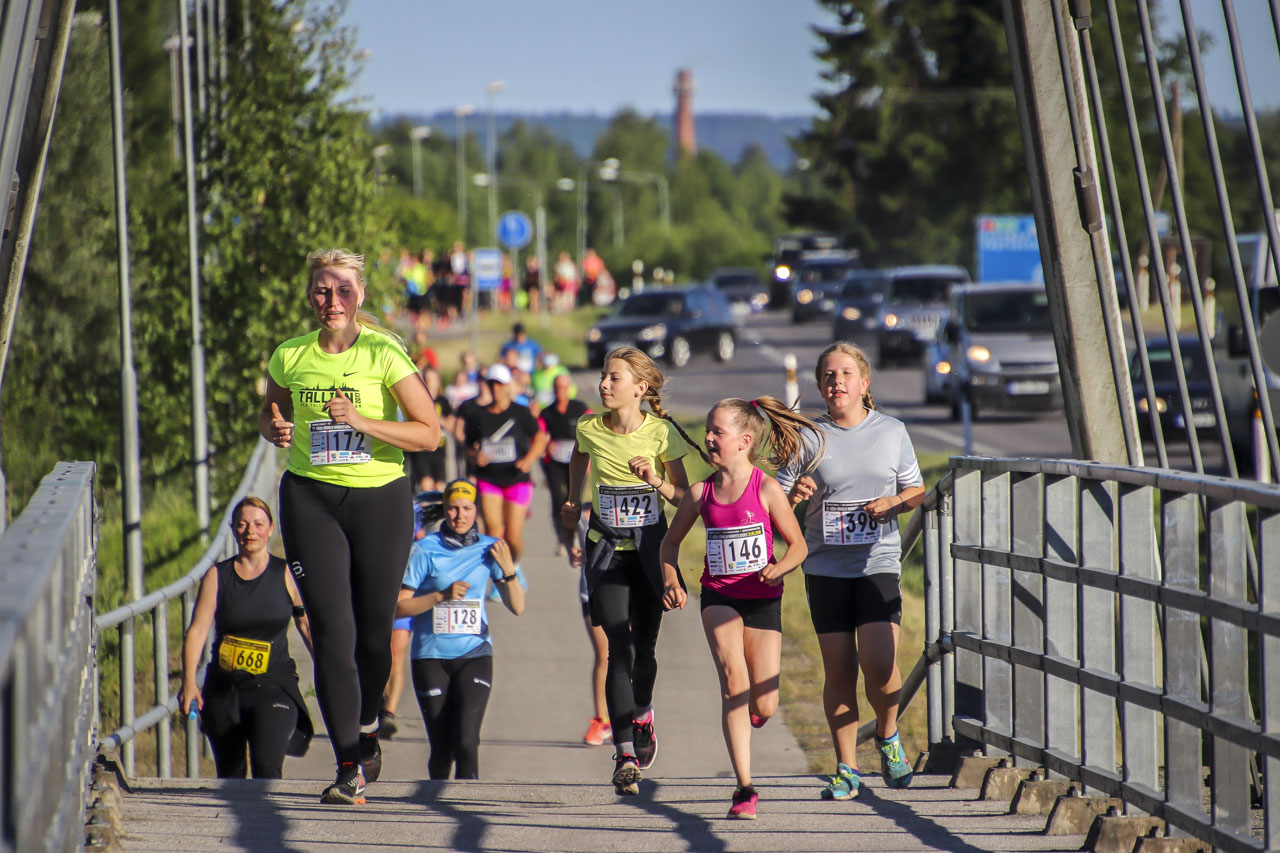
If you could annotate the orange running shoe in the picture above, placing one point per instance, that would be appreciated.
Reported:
(597, 731)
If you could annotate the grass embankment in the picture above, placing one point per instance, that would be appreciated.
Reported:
(802, 677)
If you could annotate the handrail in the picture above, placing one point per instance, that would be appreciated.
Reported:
(48, 568)
(259, 475)
(1102, 618)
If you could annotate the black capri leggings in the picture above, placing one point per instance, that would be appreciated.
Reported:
(453, 696)
(267, 720)
(558, 484)
(347, 549)
(625, 605)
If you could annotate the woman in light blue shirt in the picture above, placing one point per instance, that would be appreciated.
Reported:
(452, 657)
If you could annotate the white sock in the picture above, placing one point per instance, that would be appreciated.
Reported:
(369, 728)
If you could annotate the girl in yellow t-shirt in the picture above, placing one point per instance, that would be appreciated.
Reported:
(634, 459)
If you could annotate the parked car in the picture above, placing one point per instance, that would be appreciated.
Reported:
(668, 323)
(817, 282)
(743, 288)
(937, 372)
(895, 314)
(999, 349)
(788, 251)
(1235, 381)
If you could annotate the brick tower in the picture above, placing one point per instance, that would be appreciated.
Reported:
(686, 137)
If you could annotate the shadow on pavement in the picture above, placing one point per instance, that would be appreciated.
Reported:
(923, 829)
(259, 824)
(695, 830)
(468, 826)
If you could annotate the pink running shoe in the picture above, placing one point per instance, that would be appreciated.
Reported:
(744, 803)
(597, 731)
(757, 721)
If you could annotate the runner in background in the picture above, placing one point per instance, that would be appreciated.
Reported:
(503, 441)
(741, 581)
(866, 476)
(542, 380)
(452, 656)
(345, 512)
(633, 458)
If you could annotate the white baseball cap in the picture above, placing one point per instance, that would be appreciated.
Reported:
(498, 373)
(550, 359)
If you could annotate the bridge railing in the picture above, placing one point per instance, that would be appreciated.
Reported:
(48, 569)
(1107, 626)
(260, 479)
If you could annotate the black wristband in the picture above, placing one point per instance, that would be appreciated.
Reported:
(506, 578)
(299, 611)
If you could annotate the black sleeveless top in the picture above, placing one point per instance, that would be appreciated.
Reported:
(259, 610)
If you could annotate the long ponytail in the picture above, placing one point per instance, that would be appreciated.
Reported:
(645, 370)
(769, 421)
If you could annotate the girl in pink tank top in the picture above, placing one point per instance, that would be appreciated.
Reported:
(741, 598)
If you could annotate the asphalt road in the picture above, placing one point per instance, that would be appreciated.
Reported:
(757, 368)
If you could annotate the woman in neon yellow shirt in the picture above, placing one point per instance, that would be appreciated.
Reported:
(346, 511)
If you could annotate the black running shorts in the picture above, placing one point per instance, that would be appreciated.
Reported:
(842, 605)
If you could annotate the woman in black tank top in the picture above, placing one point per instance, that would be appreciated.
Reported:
(250, 696)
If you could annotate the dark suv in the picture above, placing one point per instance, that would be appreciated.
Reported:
(670, 323)
(817, 282)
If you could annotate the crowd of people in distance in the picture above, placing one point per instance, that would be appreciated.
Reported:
(374, 590)
(437, 286)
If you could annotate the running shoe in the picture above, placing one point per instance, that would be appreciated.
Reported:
(843, 785)
(370, 756)
(894, 768)
(597, 731)
(347, 789)
(744, 803)
(646, 741)
(757, 721)
(387, 727)
(626, 774)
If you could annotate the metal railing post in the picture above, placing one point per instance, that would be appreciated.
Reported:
(1269, 668)
(126, 691)
(1180, 546)
(932, 613)
(192, 727)
(1061, 697)
(1028, 609)
(160, 630)
(1229, 665)
(968, 595)
(1139, 727)
(947, 589)
(997, 675)
(1098, 611)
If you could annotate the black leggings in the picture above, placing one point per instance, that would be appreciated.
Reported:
(558, 484)
(347, 549)
(453, 695)
(625, 605)
(267, 720)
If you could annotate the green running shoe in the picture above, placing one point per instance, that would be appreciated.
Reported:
(843, 785)
(894, 768)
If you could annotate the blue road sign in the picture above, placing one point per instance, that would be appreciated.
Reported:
(1008, 249)
(486, 268)
(514, 230)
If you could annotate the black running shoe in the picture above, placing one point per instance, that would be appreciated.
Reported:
(626, 775)
(387, 727)
(646, 743)
(347, 789)
(370, 757)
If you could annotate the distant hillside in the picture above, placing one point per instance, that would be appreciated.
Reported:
(728, 134)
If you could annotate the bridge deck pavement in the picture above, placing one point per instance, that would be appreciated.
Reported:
(532, 731)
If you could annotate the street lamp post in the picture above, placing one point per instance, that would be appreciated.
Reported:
(664, 193)
(492, 160)
(459, 114)
(610, 163)
(379, 152)
(417, 135)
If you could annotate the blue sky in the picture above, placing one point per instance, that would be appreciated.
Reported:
(601, 55)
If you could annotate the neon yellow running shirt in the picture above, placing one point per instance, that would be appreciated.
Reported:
(335, 453)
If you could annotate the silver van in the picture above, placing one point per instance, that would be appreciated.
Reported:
(998, 347)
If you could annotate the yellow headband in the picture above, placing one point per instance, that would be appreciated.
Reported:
(460, 488)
